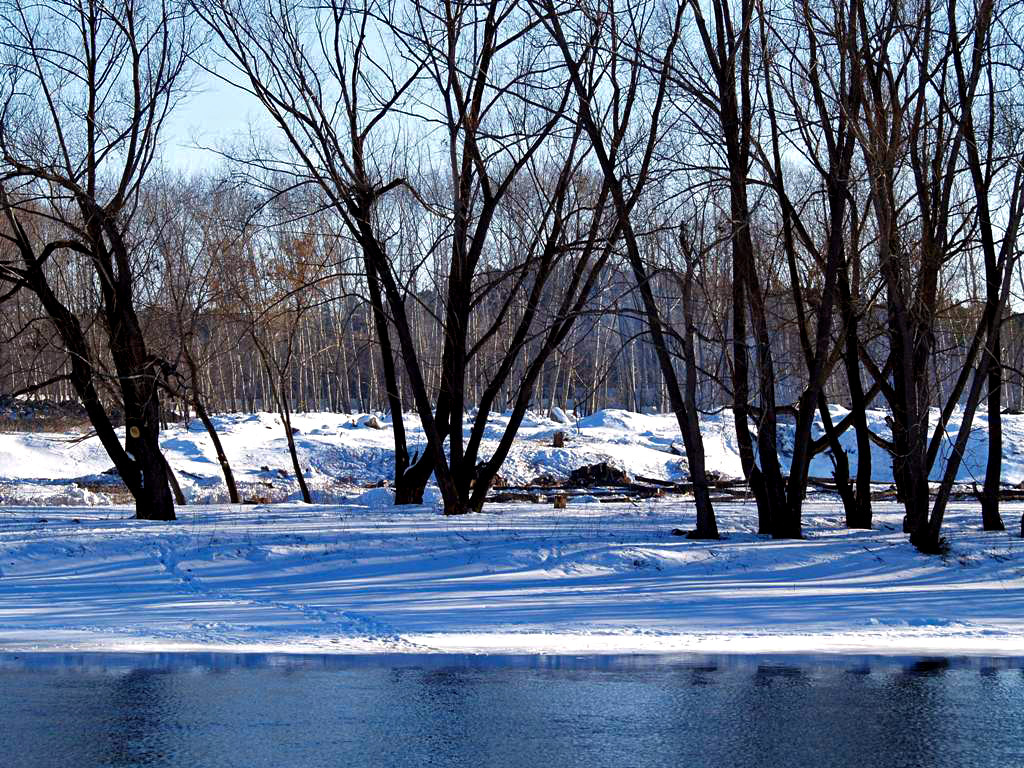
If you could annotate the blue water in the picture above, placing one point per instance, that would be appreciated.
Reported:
(253, 710)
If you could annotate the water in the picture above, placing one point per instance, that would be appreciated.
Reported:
(208, 710)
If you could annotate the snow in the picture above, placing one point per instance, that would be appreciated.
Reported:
(342, 455)
(353, 573)
(559, 416)
(592, 578)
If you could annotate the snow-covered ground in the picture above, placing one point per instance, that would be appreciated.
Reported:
(341, 456)
(518, 578)
(357, 574)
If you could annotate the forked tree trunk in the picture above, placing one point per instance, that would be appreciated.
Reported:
(410, 478)
(151, 484)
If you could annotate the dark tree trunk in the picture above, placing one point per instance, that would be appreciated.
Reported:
(153, 500)
(286, 419)
(434, 428)
(999, 267)
(139, 461)
(179, 497)
(729, 52)
(409, 487)
(222, 459)
(211, 430)
(859, 515)
(409, 481)
(139, 374)
(991, 520)
(683, 407)
(840, 463)
(411, 484)
(688, 416)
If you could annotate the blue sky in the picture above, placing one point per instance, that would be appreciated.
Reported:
(211, 115)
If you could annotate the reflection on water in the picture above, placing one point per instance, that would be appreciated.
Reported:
(257, 710)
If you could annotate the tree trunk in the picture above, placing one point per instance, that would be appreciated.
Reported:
(211, 430)
(689, 417)
(285, 413)
(840, 464)
(860, 515)
(991, 520)
(222, 459)
(179, 497)
(153, 500)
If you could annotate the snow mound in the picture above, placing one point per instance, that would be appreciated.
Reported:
(50, 495)
(559, 416)
(376, 498)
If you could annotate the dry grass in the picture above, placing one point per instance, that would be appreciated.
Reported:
(55, 423)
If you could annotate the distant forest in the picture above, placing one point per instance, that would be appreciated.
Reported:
(333, 361)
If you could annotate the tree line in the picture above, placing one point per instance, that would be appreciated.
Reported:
(485, 205)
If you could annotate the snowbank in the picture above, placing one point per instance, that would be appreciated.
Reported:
(342, 455)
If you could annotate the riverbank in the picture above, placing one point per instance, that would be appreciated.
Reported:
(593, 578)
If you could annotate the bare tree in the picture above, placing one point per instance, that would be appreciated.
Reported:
(184, 217)
(996, 178)
(464, 71)
(605, 53)
(315, 73)
(275, 270)
(718, 75)
(87, 87)
(926, 87)
(811, 60)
